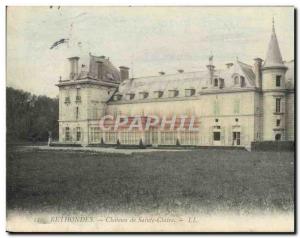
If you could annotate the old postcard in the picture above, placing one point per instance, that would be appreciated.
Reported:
(150, 119)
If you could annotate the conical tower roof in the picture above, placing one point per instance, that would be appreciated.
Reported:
(273, 58)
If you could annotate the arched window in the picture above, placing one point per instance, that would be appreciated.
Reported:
(236, 80)
(243, 82)
(222, 84)
(278, 137)
(216, 82)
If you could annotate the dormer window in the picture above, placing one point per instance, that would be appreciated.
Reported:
(222, 83)
(236, 80)
(190, 92)
(173, 93)
(130, 96)
(143, 95)
(239, 81)
(117, 97)
(158, 94)
(216, 82)
(243, 82)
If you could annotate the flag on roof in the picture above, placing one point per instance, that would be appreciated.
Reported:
(61, 41)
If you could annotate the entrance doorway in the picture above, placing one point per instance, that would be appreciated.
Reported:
(236, 138)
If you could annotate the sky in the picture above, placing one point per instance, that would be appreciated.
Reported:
(146, 39)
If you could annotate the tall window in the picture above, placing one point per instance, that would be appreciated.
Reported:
(222, 84)
(278, 80)
(78, 134)
(217, 136)
(278, 122)
(278, 101)
(243, 82)
(67, 133)
(236, 80)
(236, 138)
(216, 82)
(77, 113)
(78, 98)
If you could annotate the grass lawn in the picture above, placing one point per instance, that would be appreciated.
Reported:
(206, 180)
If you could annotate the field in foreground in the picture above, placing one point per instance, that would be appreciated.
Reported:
(206, 180)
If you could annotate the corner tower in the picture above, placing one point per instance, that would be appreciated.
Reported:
(273, 91)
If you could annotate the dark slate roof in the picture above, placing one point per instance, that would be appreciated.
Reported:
(273, 58)
(198, 80)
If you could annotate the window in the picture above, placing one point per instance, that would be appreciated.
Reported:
(117, 97)
(216, 120)
(158, 94)
(243, 82)
(278, 137)
(77, 113)
(278, 80)
(130, 96)
(143, 95)
(278, 100)
(216, 82)
(188, 138)
(278, 122)
(67, 99)
(78, 134)
(217, 136)
(236, 80)
(173, 93)
(67, 134)
(222, 84)
(78, 98)
(236, 138)
(236, 119)
(189, 92)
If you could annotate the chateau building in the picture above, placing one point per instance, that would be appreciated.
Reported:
(232, 106)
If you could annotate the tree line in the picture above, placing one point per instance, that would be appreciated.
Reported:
(30, 117)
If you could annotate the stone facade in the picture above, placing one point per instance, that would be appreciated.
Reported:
(233, 106)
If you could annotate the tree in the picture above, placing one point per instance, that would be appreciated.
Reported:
(30, 117)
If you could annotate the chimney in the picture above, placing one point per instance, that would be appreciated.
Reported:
(229, 65)
(180, 71)
(124, 71)
(257, 72)
(162, 73)
(211, 69)
(73, 66)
